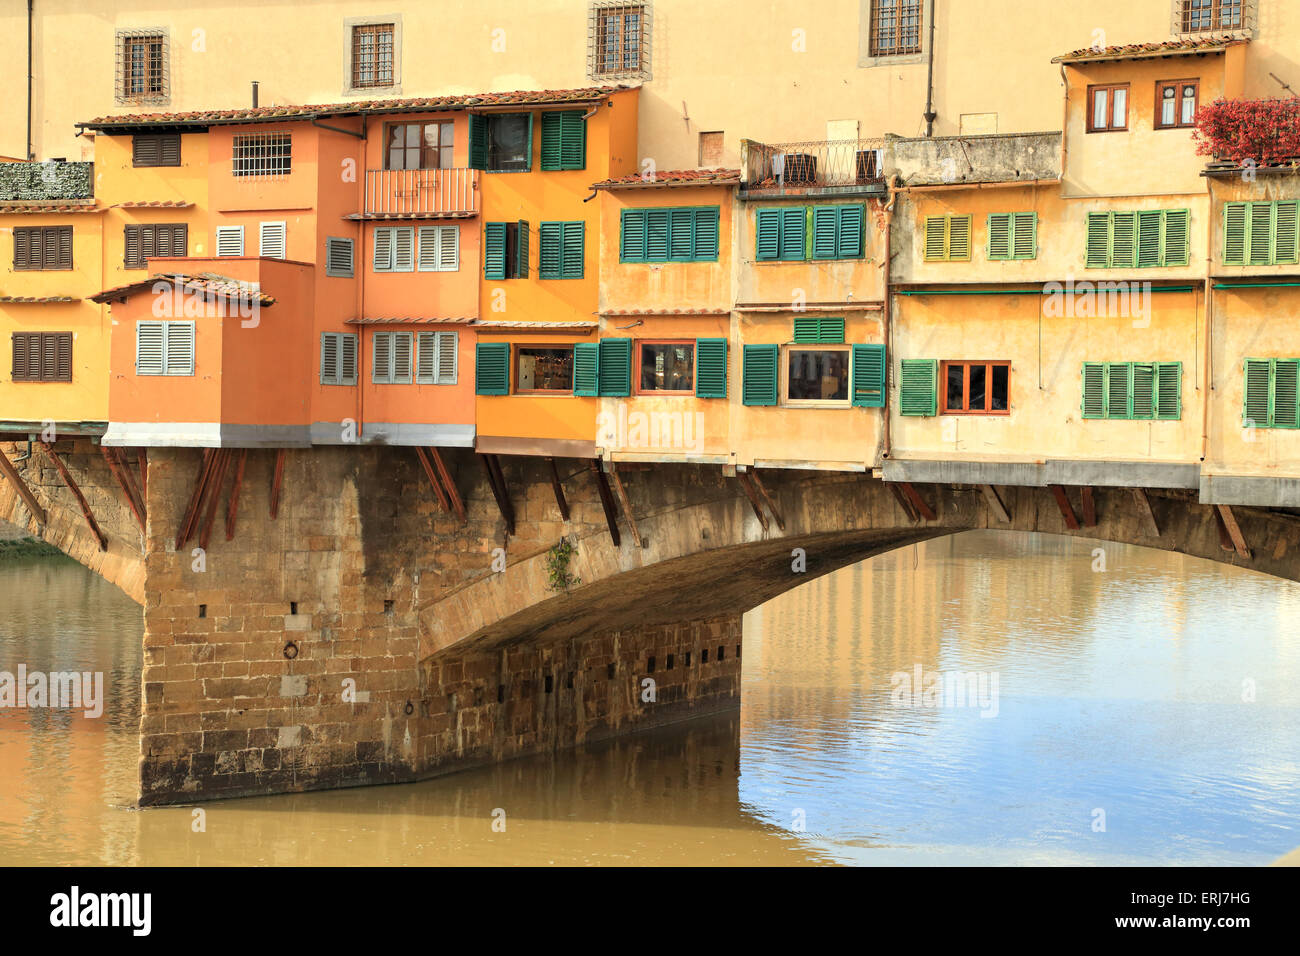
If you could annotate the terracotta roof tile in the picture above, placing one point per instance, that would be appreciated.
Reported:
(1142, 51)
(208, 283)
(635, 312)
(41, 299)
(43, 208)
(427, 104)
(674, 177)
(413, 320)
(153, 204)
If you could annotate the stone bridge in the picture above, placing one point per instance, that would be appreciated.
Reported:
(345, 616)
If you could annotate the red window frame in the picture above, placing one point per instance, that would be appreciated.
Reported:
(967, 364)
(1161, 86)
(636, 348)
(1110, 89)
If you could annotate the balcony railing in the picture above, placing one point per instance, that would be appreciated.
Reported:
(440, 192)
(811, 165)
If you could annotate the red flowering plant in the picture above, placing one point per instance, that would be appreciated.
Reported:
(1264, 131)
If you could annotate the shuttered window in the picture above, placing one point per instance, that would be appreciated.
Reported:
(1143, 240)
(501, 142)
(869, 370)
(272, 240)
(143, 242)
(339, 259)
(797, 233)
(681, 234)
(947, 238)
(394, 249)
(1133, 390)
(492, 368)
(338, 358)
(918, 393)
(1271, 393)
(759, 374)
(392, 358)
(156, 149)
(436, 358)
(230, 241)
(710, 368)
(439, 249)
(564, 140)
(781, 234)
(825, 330)
(164, 348)
(42, 248)
(505, 250)
(586, 368)
(615, 371)
(837, 232)
(1012, 235)
(42, 357)
(1260, 233)
(561, 249)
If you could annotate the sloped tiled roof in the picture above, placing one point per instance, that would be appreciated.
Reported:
(208, 283)
(1147, 51)
(425, 104)
(36, 299)
(153, 204)
(674, 177)
(45, 208)
(414, 320)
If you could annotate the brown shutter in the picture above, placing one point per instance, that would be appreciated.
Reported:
(21, 347)
(64, 254)
(144, 150)
(49, 358)
(63, 354)
(181, 240)
(149, 241)
(169, 149)
(22, 248)
(131, 257)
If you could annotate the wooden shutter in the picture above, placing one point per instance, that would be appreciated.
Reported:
(1119, 389)
(1257, 392)
(710, 368)
(918, 393)
(549, 258)
(22, 249)
(564, 140)
(1125, 240)
(132, 248)
(403, 357)
(178, 346)
(478, 141)
(936, 239)
(1024, 231)
(169, 149)
(494, 250)
(230, 240)
(706, 235)
(339, 258)
(1143, 399)
(403, 249)
(825, 232)
(448, 357)
(426, 358)
(681, 235)
(586, 369)
(1285, 250)
(1099, 242)
(573, 240)
(1234, 234)
(631, 244)
(146, 150)
(826, 330)
(492, 369)
(551, 136)
(348, 358)
(794, 232)
(760, 374)
(21, 350)
(62, 344)
(850, 244)
(329, 358)
(999, 238)
(1169, 391)
(959, 237)
(382, 257)
(1174, 250)
(521, 251)
(615, 371)
(869, 367)
(149, 348)
(382, 360)
(656, 249)
(439, 249)
(1286, 393)
(1094, 390)
(767, 231)
(1260, 242)
(1150, 222)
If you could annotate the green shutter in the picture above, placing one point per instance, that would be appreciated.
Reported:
(825, 232)
(564, 140)
(549, 242)
(573, 243)
(1169, 391)
(1286, 393)
(1260, 237)
(759, 374)
(869, 376)
(1257, 392)
(706, 234)
(1094, 390)
(656, 248)
(1125, 240)
(812, 329)
(681, 235)
(521, 251)
(1024, 235)
(586, 368)
(1175, 245)
(1234, 234)
(494, 250)
(1119, 390)
(478, 141)
(1150, 227)
(528, 165)
(959, 237)
(999, 238)
(551, 136)
(615, 367)
(806, 329)
(631, 246)
(936, 239)
(794, 231)
(917, 387)
(850, 244)
(492, 369)
(767, 230)
(710, 368)
(1284, 233)
(1098, 252)
(1143, 398)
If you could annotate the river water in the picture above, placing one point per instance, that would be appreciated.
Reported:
(1116, 705)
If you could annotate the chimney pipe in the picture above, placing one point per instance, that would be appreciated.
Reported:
(255, 94)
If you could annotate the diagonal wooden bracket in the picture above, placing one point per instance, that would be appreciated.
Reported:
(1144, 509)
(1067, 511)
(1089, 507)
(752, 494)
(232, 504)
(10, 472)
(277, 481)
(116, 465)
(996, 504)
(558, 488)
(453, 495)
(903, 501)
(1228, 523)
(76, 493)
(427, 464)
(606, 502)
(918, 503)
(767, 498)
(497, 481)
(623, 500)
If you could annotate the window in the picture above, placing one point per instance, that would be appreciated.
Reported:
(372, 55)
(394, 249)
(230, 241)
(338, 358)
(392, 358)
(1012, 235)
(164, 348)
(439, 249)
(42, 248)
(947, 238)
(1143, 239)
(975, 388)
(561, 248)
(817, 375)
(711, 145)
(1271, 393)
(1176, 103)
(148, 242)
(685, 234)
(895, 27)
(847, 375)
(501, 142)
(1133, 390)
(1260, 233)
(262, 154)
(544, 369)
(918, 388)
(42, 356)
(564, 140)
(156, 149)
(339, 257)
(1107, 108)
(271, 240)
(783, 234)
(419, 145)
(142, 70)
(618, 40)
(665, 367)
(505, 250)
(1207, 16)
(436, 358)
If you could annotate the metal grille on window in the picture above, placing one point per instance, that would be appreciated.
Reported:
(372, 55)
(895, 27)
(1214, 16)
(142, 67)
(618, 40)
(262, 154)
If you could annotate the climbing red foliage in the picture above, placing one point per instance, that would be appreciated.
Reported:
(1266, 131)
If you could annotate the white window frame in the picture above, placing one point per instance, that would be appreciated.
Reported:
(224, 232)
(442, 350)
(439, 260)
(784, 395)
(165, 364)
(387, 341)
(263, 228)
(337, 374)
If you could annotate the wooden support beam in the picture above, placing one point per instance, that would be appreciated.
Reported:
(11, 473)
(752, 495)
(1144, 509)
(497, 480)
(917, 501)
(1234, 531)
(457, 505)
(427, 464)
(277, 481)
(186, 528)
(1089, 507)
(214, 495)
(232, 505)
(903, 501)
(142, 459)
(606, 502)
(76, 493)
(123, 482)
(132, 486)
(626, 503)
(996, 504)
(558, 488)
(1067, 512)
(771, 503)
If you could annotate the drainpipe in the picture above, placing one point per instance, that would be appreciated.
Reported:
(886, 314)
(930, 114)
(30, 155)
(1209, 322)
(359, 263)
(255, 94)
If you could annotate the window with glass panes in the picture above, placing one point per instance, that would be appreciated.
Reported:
(666, 366)
(1176, 102)
(418, 145)
(1107, 108)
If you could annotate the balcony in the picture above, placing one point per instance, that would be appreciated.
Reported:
(807, 168)
(46, 182)
(421, 193)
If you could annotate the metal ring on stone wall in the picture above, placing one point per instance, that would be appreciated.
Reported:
(290, 651)
(410, 708)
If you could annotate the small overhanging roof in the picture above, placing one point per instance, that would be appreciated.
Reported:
(473, 102)
(1151, 51)
(413, 320)
(204, 283)
(36, 299)
(28, 207)
(674, 177)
